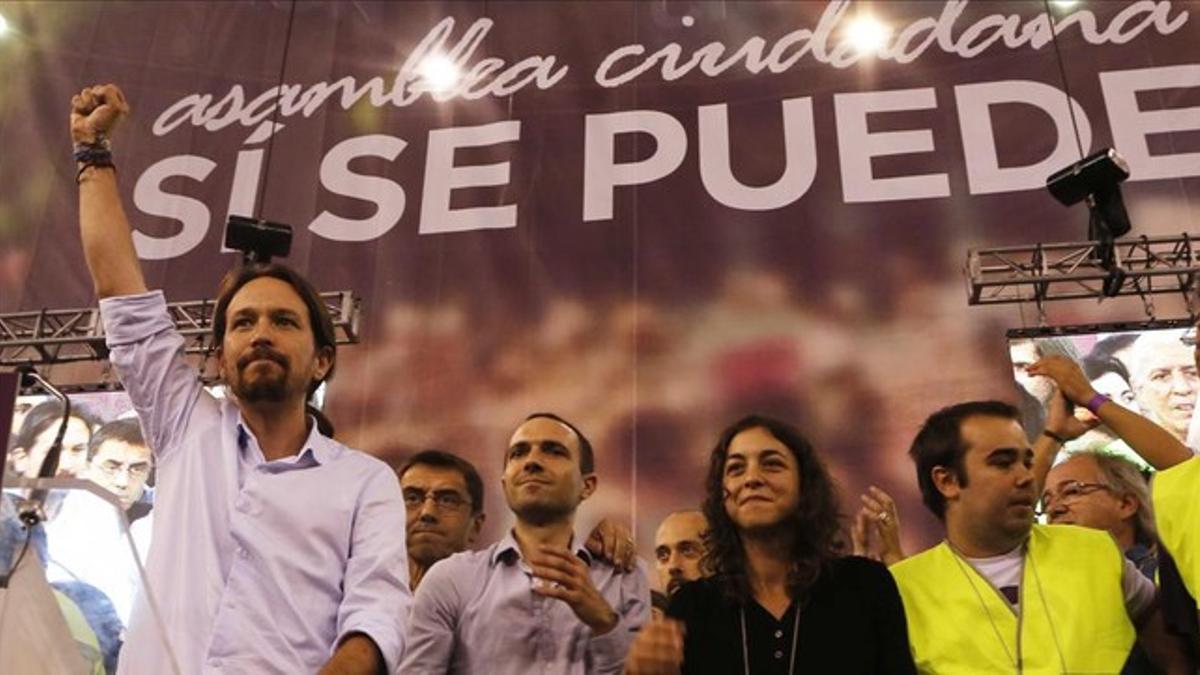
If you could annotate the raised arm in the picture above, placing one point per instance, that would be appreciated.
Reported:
(107, 242)
(1062, 425)
(1155, 445)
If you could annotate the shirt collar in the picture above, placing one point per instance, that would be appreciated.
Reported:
(317, 449)
(1143, 557)
(508, 551)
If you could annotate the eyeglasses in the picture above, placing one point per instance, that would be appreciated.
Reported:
(114, 469)
(443, 500)
(1069, 491)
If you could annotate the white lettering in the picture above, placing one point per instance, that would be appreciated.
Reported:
(858, 145)
(984, 173)
(601, 173)
(150, 199)
(337, 177)
(1131, 125)
(800, 168)
(442, 177)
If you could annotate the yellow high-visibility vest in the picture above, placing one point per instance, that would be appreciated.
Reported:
(1176, 496)
(1071, 616)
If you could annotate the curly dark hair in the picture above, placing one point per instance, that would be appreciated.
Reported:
(816, 523)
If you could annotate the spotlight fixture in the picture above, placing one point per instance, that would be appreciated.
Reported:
(1096, 180)
(258, 240)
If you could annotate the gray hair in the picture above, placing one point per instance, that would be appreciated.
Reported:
(1126, 479)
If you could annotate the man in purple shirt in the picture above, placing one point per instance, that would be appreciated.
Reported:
(275, 548)
(537, 601)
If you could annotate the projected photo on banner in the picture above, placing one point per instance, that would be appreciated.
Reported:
(1151, 371)
(80, 544)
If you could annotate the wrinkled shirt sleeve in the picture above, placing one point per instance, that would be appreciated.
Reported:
(434, 620)
(147, 353)
(377, 599)
(633, 607)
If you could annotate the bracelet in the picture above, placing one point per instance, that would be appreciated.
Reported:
(106, 164)
(1050, 434)
(89, 155)
(100, 141)
(92, 154)
(1097, 401)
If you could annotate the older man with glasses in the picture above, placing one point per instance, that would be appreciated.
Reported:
(1104, 492)
(1107, 492)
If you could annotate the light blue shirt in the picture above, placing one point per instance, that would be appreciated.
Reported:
(476, 612)
(256, 566)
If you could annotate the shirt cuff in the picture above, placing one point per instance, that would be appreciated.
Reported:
(133, 318)
(383, 632)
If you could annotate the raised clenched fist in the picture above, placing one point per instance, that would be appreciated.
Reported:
(96, 110)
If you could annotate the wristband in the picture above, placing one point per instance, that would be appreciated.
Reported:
(1057, 439)
(1097, 401)
(92, 154)
(88, 155)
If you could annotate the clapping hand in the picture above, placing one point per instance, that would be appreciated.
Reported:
(876, 530)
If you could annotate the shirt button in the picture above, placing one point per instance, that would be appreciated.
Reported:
(243, 553)
(778, 633)
(778, 653)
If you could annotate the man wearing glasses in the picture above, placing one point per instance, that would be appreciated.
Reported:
(119, 461)
(443, 499)
(538, 600)
(85, 542)
(1003, 593)
(1174, 487)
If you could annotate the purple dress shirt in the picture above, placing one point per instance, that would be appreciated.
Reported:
(255, 566)
(476, 612)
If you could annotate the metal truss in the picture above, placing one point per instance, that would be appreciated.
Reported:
(1041, 273)
(53, 336)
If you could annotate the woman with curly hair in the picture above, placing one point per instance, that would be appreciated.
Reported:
(782, 597)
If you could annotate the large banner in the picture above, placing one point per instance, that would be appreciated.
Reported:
(648, 217)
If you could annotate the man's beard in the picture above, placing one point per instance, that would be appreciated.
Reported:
(264, 388)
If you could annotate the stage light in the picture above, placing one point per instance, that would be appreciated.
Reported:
(1064, 4)
(258, 240)
(3, 26)
(439, 72)
(867, 34)
(1097, 180)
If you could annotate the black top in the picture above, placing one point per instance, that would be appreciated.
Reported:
(852, 622)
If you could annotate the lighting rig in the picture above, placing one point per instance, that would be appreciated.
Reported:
(55, 336)
(1104, 266)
